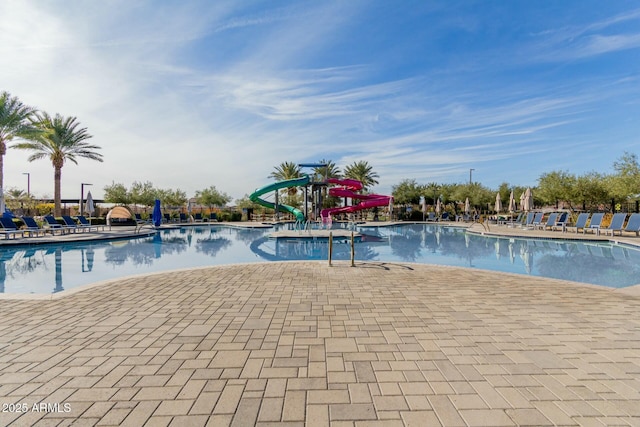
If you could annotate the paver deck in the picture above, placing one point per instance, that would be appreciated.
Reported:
(304, 344)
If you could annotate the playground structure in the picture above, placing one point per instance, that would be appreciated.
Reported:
(345, 188)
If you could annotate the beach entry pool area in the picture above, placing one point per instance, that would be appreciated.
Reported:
(52, 268)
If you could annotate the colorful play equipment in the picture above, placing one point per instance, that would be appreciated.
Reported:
(296, 182)
(345, 188)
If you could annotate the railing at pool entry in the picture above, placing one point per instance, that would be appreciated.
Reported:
(353, 248)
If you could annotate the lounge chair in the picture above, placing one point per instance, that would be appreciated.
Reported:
(633, 225)
(537, 220)
(431, 217)
(167, 217)
(9, 228)
(445, 217)
(594, 224)
(512, 222)
(581, 221)
(183, 217)
(213, 216)
(71, 225)
(617, 222)
(197, 217)
(138, 218)
(52, 225)
(32, 226)
(84, 223)
(561, 222)
(551, 221)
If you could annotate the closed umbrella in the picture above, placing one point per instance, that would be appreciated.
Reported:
(522, 201)
(424, 206)
(498, 205)
(89, 206)
(157, 214)
(467, 207)
(512, 206)
(528, 200)
(438, 207)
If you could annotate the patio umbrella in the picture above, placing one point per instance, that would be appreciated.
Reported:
(1, 202)
(512, 203)
(498, 206)
(467, 206)
(157, 214)
(528, 200)
(424, 206)
(438, 207)
(89, 206)
(522, 201)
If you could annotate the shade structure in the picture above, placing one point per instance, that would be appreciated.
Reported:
(498, 205)
(157, 214)
(512, 203)
(467, 206)
(89, 206)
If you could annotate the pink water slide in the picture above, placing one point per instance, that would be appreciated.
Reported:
(348, 188)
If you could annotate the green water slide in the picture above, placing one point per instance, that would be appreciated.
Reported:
(296, 182)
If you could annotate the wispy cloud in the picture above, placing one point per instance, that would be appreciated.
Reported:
(196, 93)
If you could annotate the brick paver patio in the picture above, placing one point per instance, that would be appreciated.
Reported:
(304, 344)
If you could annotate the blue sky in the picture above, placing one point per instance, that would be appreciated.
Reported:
(188, 94)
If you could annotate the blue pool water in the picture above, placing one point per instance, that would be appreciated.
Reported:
(44, 269)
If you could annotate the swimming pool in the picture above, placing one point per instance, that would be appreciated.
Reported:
(45, 269)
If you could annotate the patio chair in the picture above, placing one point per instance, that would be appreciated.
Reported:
(551, 220)
(431, 217)
(167, 217)
(537, 220)
(9, 228)
(52, 225)
(633, 225)
(183, 217)
(138, 219)
(70, 224)
(594, 224)
(32, 226)
(581, 222)
(213, 216)
(518, 220)
(197, 217)
(561, 222)
(617, 222)
(84, 222)
(445, 216)
(528, 220)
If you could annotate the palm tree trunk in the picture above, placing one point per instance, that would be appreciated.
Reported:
(3, 150)
(57, 210)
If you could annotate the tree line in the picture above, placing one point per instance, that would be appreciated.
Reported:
(589, 191)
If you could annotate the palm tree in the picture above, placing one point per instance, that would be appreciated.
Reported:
(14, 122)
(285, 171)
(362, 172)
(331, 170)
(61, 140)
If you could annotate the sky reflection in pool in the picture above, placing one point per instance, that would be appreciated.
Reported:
(52, 268)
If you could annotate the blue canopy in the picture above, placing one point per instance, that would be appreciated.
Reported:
(157, 214)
